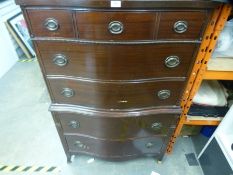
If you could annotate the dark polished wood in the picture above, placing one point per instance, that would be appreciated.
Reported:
(116, 62)
(140, 25)
(136, 25)
(63, 17)
(119, 113)
(105, 66)
(62, 138)
(125, 3)
(116, 128)
(151, 146)
(116, 96)
(196, 22)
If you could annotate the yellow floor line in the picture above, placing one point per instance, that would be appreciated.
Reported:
(29, 169)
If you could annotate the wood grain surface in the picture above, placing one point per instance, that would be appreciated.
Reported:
(116, 62)
(151, 146)
(37, 19)
(116, 96)
(117, 128)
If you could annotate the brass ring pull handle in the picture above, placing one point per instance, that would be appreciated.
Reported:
(115, 27)
(51, 24)
(180, 26)
(149, 145)
(164, 94)
(74, 124)
(67, 92)
(60, 60)
(81, 145)
(156, 126)
(172, 61)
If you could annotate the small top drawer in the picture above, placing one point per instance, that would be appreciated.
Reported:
(51, 23)
(181, 25)
(116, 25)
(141, 25)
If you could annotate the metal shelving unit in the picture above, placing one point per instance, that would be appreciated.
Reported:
(202, 71)
(220, 68)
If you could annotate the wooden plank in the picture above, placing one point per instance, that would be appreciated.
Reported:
(220, 64)
(190, 118)
(218, 75)
(202, 122)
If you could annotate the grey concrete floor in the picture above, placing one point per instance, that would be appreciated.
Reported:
(28, 135)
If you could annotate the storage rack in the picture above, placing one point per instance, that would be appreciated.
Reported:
(201, 71)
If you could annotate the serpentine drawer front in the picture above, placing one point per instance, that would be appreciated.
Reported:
(116, 75)
(117, 128)
(128, 62)
(116, 149)
(116, 95)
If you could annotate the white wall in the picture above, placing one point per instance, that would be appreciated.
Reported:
(8, 56)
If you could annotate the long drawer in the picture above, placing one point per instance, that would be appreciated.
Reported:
(116, 62)
(117, 25)
(116, 128)
(150, 146)
(118, 95)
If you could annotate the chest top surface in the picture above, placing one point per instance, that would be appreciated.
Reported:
(123, 3)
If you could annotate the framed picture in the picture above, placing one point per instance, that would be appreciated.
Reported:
(18, 28)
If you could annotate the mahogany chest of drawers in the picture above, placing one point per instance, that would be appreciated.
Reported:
(116, 70)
